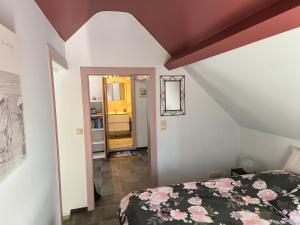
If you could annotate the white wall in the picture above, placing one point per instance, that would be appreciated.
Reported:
(141, 114)
(191, 146)
(258, 84)
(203, 141)
(269, 151)
(28, 195)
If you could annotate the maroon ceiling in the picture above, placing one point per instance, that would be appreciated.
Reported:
(182, 27)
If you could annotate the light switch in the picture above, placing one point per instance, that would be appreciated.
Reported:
(163, 124)
(79, 131)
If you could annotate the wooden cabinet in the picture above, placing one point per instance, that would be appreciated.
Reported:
(118, 122)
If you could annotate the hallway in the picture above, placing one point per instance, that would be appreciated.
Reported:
(116, 177)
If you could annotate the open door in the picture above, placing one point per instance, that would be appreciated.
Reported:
(105, 116)
(133, 115)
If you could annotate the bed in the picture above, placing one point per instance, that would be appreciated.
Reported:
(253, 199)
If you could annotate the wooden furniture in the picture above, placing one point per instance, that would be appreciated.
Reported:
(118, 123)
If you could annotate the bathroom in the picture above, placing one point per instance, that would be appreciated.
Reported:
(119, 112)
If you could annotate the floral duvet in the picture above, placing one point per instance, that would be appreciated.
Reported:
(253, 199)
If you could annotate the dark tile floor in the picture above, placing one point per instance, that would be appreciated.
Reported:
(114, 179)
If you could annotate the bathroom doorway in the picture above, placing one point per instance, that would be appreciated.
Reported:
(119, 100)
(112, 115)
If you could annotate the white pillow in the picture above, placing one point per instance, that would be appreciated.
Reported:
(293, 163)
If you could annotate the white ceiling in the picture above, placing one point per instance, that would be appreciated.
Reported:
(258, 85)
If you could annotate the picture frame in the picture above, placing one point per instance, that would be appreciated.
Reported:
(12, 132)
(142, 92)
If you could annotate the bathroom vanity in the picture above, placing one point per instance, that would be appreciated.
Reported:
(118, 123)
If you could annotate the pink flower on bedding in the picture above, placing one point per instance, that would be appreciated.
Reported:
(199, 214)
(267, 195)
(178, 215)
(190, 185)
(249, 218)
(158, 197)
(152, 190)
(237, 183)
(165, 216)
(224, 185)
(195, 201)
(260, 185)
(124, 202)
(144, 196)
(236, 215)
(174, 195)
(164, 189)
(295, 216)
(249, 200)
(154, 208)
(210, 184)
(249, 176)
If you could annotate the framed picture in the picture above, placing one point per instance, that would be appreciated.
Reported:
(12, 136)
(143, 92)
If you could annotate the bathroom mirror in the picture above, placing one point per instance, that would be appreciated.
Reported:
(172, 95)
(115, 91)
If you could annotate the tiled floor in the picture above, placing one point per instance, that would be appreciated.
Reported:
(114, 178)
(119, 143)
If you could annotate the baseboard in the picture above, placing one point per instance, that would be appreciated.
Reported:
(78, 210)
(66, 218)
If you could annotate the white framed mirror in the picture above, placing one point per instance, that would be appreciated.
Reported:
(172, 95)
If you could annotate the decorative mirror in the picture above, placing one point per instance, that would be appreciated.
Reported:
(115, 91)
(172, 95)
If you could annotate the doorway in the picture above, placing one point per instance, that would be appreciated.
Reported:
(120, 166)
(150, 120)
(121, 115)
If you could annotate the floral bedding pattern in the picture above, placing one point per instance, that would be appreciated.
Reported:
(254, 199)
(288, 204)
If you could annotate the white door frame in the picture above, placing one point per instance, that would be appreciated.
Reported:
(59, 59)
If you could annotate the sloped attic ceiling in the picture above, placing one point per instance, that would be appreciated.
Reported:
(255, 84)
(189, 30)
(258, 84)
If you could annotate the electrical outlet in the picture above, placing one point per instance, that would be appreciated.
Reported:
(79, 131)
